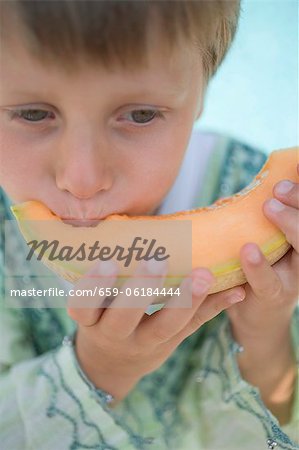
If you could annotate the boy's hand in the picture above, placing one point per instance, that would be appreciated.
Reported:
(117, 346)
(271, 291)
(261, 324)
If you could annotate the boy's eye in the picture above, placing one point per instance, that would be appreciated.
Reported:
(144, 115)
(30, 115)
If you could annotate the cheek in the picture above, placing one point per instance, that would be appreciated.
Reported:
(155, 171)
(166, 152)
(19, 166)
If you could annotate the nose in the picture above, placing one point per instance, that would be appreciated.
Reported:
(82, 166)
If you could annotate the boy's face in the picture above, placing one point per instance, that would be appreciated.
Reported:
(92, 152)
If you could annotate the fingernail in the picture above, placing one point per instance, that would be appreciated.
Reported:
(254, 256)
(284, 187)
(200, 285)
(156, 267)
(275, 205)
(235, 299)
(107, 268)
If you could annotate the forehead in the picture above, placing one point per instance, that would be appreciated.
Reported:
(22, 72)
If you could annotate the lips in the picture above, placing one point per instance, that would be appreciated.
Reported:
(81, 222)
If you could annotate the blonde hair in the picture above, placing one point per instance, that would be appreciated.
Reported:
(117, 31)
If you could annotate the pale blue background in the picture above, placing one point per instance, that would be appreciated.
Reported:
(254, 95)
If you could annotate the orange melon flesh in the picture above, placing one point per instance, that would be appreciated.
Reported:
(218, 231)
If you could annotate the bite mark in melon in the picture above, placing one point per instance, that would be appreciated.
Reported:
(218, 231)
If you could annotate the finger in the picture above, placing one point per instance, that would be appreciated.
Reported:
(86, 310)
(126, 311)
(213, 305)
(165, 323)
(288, 193)
(287, 268)
(263, 279)
(170, 322)
(286, 218)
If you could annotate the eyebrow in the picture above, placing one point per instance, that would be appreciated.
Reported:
(178, 94)
(172, 92)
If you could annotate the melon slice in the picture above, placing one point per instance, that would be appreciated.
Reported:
(218, 231)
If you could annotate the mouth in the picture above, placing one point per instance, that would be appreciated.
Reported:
(81, 222)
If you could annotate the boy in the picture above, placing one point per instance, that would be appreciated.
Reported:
(98, 99)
